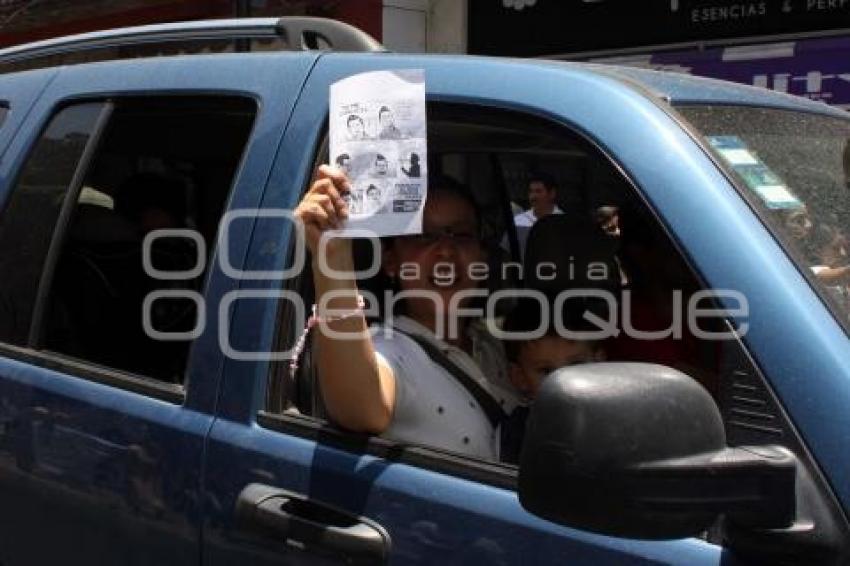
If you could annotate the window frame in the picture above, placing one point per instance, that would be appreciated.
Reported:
(66, 213)
(34, 352)
(496, 474)
(31, 353)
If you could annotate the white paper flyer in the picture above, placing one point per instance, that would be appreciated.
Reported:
(378, 137)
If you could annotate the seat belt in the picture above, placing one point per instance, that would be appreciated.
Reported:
(494, 411)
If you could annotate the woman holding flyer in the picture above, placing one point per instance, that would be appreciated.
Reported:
(408, 384)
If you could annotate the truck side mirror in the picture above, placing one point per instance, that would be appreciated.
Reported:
(639, 451)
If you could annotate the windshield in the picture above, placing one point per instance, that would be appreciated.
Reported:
(795, 170)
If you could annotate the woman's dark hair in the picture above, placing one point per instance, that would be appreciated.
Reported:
(446, 184)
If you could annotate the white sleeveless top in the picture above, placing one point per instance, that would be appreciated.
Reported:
(432, 408)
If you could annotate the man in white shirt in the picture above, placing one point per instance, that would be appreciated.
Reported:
(542, 196)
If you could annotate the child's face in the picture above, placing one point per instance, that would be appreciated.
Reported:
(538, 358)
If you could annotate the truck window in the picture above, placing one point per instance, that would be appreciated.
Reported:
(31, 213)
(600, 237)
(159, 164)
(794, 169)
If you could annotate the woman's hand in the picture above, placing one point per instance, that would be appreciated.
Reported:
(323, 209)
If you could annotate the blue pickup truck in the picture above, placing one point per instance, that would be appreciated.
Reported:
(147, 412)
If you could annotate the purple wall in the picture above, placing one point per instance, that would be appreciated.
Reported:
(815, 68)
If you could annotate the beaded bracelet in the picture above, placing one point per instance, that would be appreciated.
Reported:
(313, 321)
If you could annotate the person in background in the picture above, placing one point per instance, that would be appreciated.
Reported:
(608, 218)
(542, 198)
(832, 264)
(798, 224)
(824, 247)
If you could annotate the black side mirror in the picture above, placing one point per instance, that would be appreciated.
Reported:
(639, 451)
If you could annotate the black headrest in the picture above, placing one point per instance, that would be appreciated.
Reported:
(570, 251)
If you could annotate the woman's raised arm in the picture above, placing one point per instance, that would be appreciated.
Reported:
(359, 392)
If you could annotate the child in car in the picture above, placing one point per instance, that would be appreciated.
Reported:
(531, 360)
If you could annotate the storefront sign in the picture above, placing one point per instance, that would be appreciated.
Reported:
(558, 27)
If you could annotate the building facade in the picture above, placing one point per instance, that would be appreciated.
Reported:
(797, 46)
(402, 25)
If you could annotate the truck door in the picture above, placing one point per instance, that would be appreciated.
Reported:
(288, 486)
(113, 192)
